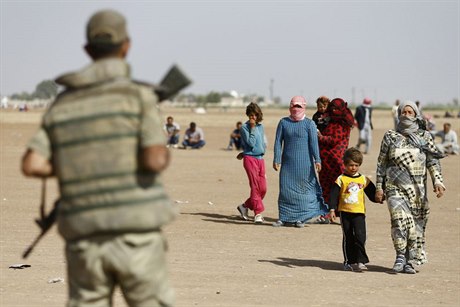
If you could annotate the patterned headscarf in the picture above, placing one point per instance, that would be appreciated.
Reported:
(409, 127)
(338, 111)
(297, 108)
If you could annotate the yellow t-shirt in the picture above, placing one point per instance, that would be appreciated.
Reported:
(352, 193)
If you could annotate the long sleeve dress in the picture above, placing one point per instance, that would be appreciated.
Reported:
(332, 144)
(296, 149)
(402, 171)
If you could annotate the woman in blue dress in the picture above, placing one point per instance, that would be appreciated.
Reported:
(297, 156)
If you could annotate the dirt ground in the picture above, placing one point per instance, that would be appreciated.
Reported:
(216, 259)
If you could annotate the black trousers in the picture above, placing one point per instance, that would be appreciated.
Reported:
(354, 237)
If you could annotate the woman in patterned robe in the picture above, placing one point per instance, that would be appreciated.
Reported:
(333, 141)
(406, 155)
(297, 152)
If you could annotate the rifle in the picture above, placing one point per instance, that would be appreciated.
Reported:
(44, 222)
(174, 81)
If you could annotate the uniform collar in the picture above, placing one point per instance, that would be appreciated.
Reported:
(97, 72)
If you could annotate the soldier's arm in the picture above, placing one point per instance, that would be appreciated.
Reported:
(155, 158)
(154, 155)
(35, 165)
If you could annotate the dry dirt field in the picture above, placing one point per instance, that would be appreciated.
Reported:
(216, 259)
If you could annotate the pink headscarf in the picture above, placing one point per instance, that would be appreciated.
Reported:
(297, 113)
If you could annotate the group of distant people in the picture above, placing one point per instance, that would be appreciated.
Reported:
(306, 150)
(193, 136)
(307, 155)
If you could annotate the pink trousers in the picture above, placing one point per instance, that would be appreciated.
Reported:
(255, 169)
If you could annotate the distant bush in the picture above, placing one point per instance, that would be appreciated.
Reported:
(44, 90)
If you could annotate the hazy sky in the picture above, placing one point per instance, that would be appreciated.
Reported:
(384, 49)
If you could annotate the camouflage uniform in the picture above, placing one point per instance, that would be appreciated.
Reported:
(110, 211)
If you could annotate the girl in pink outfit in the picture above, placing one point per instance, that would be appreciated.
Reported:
(253, 143)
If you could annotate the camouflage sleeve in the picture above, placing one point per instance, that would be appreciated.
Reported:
(382, 163)
(40, 143)
(151, 125)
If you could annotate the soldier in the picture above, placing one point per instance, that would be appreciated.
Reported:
(103, 139)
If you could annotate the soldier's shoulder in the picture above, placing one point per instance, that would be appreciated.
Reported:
(146, 88)
(145, 84)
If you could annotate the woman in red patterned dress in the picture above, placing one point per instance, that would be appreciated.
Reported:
(333, 141)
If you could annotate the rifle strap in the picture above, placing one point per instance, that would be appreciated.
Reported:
(43, 200)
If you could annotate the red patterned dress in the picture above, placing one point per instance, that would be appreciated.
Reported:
(333, 142)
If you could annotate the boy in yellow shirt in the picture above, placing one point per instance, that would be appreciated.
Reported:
(347, 197)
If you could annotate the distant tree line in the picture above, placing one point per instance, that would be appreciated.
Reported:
(48, 89)
(44, 90)
(214, 97)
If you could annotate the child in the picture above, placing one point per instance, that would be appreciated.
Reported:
(235, 137)
(321, 106)
(252, 137)
(347, 197)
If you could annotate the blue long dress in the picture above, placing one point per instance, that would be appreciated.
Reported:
(296, 149)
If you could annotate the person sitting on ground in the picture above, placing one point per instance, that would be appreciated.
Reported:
(172, 132)
(194, 137)
(449, 144)
(235, 137)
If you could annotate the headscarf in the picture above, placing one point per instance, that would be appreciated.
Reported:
(367, 101)
(297, 114)
(338, 111)
(409, 126)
